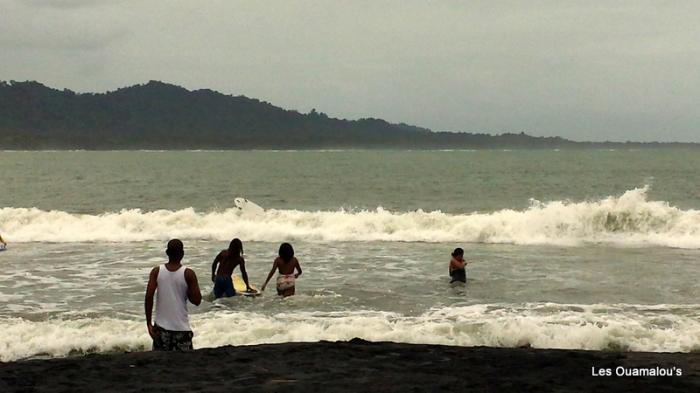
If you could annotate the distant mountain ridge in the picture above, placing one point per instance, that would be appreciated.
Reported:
(158, 115)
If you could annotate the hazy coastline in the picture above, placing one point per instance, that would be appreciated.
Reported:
(163, 116)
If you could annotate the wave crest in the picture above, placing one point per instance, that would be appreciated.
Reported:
(629, 219)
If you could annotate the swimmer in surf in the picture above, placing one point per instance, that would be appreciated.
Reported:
(227, 260)
(286, 263)
(2, 242)
(458, 272)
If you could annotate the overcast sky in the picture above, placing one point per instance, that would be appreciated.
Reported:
(613, 70)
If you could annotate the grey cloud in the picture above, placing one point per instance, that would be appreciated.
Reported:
(66, 41)
(582, 70)
(69, 4)
(52, 30)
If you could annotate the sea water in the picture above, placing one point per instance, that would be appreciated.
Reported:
(591, 249)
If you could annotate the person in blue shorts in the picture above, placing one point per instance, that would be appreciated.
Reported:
(222, 270)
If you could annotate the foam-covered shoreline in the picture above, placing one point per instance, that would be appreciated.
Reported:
(357, 366)
(628, 220)
(622, 327)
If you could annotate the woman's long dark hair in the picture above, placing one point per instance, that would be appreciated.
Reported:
(286, 252)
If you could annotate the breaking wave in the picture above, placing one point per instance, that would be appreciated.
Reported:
(628, 219)
(620, 327)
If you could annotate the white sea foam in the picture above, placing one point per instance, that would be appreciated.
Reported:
(629, 219)
(598, 327)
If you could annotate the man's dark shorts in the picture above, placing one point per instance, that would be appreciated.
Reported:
(223, 286)
(170, 340)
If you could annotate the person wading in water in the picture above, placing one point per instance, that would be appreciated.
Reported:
(173, 284)
(227, 260)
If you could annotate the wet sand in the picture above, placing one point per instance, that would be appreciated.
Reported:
(353, 366)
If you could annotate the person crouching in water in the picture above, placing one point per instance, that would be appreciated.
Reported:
(285, 263)
(227, 260)
(458, 274)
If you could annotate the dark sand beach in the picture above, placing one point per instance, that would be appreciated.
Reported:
(352, 366)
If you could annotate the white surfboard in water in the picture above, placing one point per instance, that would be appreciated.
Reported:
(247, 207)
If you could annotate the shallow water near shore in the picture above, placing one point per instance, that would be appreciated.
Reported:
(584, 250)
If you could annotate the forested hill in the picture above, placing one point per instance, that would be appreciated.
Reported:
(158, 115)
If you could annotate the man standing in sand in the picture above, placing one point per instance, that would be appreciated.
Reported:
(175, 284)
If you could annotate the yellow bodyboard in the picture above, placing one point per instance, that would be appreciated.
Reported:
(239, 286)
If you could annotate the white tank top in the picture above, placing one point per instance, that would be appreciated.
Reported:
(171, 300)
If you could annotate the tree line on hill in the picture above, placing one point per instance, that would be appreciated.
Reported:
(158, 115)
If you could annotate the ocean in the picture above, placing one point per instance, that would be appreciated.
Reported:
(587, 249)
